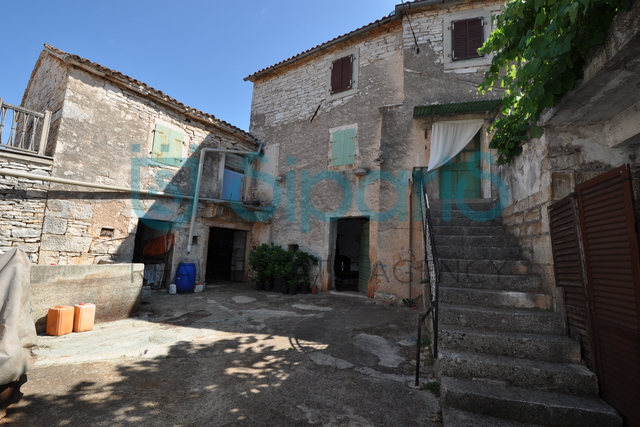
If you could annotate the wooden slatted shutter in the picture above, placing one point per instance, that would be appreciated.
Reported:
(167, 146)
(342, 74)
(337, 148)
(467, 37)
(568, 262)
(608, 225)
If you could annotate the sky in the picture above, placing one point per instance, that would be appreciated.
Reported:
(196, 51)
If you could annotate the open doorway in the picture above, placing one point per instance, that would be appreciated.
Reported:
(352, 266)
(225, 259)
(154, 248)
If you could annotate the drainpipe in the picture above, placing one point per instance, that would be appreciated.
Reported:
(196, 196)
(410, 236)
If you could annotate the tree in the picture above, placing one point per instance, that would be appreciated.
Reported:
(540, 47)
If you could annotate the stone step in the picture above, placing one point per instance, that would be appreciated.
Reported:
(483, 266)
(495, 298)
(505, 282)
(476, 241)
(510, 371)
(502, 319)
(481, 253)
(523, 405)
(458, 418)
(469, 204)
(459, 219)
(543, 347)
(489, 230)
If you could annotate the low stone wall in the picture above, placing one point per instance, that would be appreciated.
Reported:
(114, 288)
(22, 203)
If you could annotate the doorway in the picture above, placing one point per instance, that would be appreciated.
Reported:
(458, 169)
(153, 247)
(225, 259)
(352, 266)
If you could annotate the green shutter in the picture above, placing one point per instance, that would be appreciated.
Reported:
(343, 147)
(337, 148)
(349, 147)
(167, 146)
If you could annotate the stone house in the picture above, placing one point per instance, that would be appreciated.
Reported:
(348, 128)
(123, 164)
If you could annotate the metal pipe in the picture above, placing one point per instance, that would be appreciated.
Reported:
(196, 196)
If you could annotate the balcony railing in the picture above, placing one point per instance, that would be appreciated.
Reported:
(27, 130)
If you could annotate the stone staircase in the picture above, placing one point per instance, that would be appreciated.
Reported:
(504, 358)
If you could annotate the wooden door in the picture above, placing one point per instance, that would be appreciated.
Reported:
(458, 169)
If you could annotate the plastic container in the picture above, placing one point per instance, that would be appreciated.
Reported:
(60, 320)
(84, 317)
(185, 278)
(172, 289)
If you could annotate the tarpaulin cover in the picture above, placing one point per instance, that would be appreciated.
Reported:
(159, 245)
(17, 331)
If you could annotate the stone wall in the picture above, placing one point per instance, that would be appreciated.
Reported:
(22, 203)
(104, 135)
(114, 289)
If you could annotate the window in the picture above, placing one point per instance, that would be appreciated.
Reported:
(467, 36)
(342, 74)
(343, 147)
(464, 32)
(233, 177)
(167, 146)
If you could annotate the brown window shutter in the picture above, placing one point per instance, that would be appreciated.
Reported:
(467, 36)
(341, 73)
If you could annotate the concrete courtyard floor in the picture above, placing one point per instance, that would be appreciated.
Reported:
(232, 356)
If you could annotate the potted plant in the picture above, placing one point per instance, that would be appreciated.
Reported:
(281, 266)
(303, 262)
(259, 264)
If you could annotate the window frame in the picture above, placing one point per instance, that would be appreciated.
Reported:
(355, 62)
(483, 13)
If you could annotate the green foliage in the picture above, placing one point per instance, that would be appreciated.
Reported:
(540, 47)
(432, 386)
(269, 261)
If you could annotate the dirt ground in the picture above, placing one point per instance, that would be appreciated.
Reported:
(233, 356)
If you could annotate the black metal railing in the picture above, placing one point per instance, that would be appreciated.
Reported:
(431, 260)
(28, 130)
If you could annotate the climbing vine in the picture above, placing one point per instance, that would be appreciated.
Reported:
(540, 47)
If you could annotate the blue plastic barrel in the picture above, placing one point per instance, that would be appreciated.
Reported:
(185, 278)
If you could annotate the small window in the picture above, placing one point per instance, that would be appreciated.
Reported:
(342, 74)
(167, 146)
(233, 177)
(107, 232)
(343, 147)
(467, 36)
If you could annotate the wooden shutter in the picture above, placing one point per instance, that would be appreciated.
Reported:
(467, 36)
(167, 146)
(608, 225)
(341, 74)
(568, 262)
(343, 147)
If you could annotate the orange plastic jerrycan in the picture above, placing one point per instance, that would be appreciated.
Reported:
(60, 320)
(85, 314)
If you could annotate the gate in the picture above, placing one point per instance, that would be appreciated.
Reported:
(602, 218)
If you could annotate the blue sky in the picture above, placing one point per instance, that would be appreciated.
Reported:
(197, 51)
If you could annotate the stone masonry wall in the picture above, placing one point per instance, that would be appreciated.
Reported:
(295, 93)
(22, 203)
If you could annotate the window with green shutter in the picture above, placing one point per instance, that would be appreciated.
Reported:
(343, 147)
(167, 146)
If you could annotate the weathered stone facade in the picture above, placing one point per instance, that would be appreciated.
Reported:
(294, 113)
(22, 203)
(103, 133)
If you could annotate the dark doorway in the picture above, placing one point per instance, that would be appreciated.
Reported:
(352, 266)
(154, 248)
(225, 259)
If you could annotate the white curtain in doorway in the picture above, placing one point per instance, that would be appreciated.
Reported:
(449, 138)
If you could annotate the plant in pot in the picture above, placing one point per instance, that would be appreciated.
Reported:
(259, 258)
(282, 268)
(303, 262)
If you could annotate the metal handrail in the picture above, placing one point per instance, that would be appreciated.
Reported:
(431, 259)
(23, 131)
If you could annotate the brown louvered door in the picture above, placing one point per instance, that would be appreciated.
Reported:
(568, 267)
(607, 220)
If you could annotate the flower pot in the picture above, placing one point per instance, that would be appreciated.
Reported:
(260, 286)
(305, 288)
(293, 289)
(279, 284)
(314, 290)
